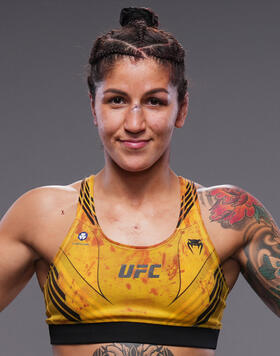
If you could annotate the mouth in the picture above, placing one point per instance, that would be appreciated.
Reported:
(135, 144)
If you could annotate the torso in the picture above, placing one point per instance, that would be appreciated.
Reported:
(158, 224)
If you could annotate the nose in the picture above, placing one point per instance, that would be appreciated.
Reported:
(134, 120)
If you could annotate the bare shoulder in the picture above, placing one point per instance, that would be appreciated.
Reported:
(37, 208)
(231, 206)
(226, 211)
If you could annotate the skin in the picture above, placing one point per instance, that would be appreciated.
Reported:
(144, 201)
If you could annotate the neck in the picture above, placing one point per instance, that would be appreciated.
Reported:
(136, 186)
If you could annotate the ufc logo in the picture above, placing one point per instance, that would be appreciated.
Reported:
(138, 270)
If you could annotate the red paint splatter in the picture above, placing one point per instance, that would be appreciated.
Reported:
(144, 280)
(93, 242)
(128, 286)
(154, 291)
(112, 249)
(163, 259)
(129, 309)
(175, 260)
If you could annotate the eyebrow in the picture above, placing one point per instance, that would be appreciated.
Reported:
(153, 91)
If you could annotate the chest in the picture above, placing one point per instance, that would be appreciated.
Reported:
(143, 226)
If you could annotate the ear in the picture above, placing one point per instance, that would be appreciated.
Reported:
(92, 106)
(182, 112)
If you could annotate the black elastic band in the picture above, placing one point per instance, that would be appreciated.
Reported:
(144, 333)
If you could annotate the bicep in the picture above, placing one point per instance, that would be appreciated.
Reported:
(16, 257)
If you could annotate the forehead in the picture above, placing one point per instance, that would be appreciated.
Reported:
(128, 73)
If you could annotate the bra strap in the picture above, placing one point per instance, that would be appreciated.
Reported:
(86, 199)
(188, 199)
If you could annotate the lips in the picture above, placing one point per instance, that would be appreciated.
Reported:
(134, 143)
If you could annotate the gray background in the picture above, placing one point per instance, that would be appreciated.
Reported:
(231, 136)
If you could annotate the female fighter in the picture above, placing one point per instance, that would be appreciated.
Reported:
(135, 260)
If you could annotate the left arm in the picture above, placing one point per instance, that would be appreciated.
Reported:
(259, 254)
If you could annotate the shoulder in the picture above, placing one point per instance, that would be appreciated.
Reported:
(232, 206)
(37, 207)
(227, 212)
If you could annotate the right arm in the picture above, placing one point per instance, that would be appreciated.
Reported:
(17, 258)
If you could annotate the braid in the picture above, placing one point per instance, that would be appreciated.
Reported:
(112, 47)
(140, 38)
(141, 30)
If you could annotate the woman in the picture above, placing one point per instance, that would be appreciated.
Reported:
(136, 259)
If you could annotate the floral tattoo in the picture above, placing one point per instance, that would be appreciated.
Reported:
(234, 206)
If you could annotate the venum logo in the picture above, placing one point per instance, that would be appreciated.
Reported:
(138, 270)
(195, 243)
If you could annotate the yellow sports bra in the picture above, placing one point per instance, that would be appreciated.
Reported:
(171, 293)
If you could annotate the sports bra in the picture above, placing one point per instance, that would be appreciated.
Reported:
(99, 290)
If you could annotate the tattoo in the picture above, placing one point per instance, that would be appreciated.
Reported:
(232, 207)
(262, 269)
(132, 349)
(201, 197)
(236, 209)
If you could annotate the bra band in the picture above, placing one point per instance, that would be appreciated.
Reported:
(134, 332)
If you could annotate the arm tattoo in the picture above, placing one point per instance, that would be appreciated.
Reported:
(201, 197)
(132, 349)
(236, 209)
(233, 207)
(262, 269)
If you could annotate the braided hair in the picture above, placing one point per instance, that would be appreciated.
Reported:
(139, 37)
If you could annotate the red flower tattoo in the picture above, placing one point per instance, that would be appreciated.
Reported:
(233, 205)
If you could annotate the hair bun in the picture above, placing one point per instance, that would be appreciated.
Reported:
(131, 15)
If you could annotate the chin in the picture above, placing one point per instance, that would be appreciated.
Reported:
(135, 167)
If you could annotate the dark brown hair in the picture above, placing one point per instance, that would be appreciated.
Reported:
(139, 37)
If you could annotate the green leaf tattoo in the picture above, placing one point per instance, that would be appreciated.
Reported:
(267, 270)
(260, 213)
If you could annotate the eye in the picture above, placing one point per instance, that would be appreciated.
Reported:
(116, 100)
(153, 101)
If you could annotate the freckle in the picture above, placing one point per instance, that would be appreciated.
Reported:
(62, 212)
